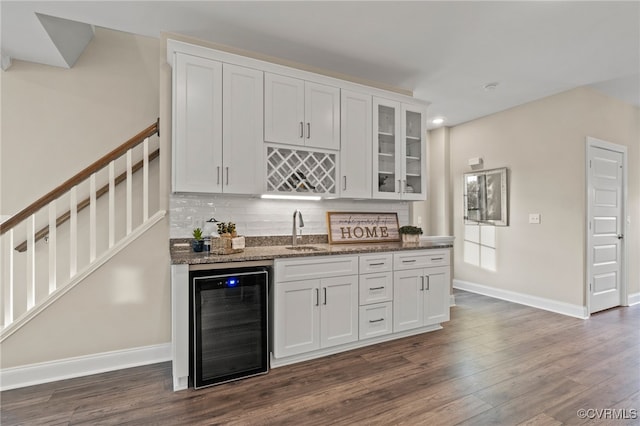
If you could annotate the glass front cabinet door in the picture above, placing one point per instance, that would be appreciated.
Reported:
(399, 141)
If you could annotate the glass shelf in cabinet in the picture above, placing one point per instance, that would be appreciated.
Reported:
(412, 157)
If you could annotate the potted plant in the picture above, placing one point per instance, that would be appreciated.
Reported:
(410, 234)
(227, 230)
(198, 241)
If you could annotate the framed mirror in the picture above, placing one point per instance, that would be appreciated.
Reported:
(486, 197)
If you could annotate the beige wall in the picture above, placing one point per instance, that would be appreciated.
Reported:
(543, 145)
(54, 123)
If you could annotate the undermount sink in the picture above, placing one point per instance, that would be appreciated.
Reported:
(303, 248)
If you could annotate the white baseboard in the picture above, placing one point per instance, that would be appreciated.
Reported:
(633, 299)
(563, 308)
(51, 371)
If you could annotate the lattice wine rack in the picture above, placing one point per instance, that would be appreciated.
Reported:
(294, 170)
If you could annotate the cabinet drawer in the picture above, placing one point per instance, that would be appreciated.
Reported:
(420, 259)
(376, 288)
(376, 263)
(314, 267)
(375, 320)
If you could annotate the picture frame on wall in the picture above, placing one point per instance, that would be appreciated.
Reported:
(486, 197)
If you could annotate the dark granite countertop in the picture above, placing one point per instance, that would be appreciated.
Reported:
(269, 248)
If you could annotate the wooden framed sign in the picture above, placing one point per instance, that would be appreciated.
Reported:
(359, 227)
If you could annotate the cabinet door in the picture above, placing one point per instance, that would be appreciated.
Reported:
(242, 153)
(339, 310)
(436, 295)
(408, 303)
(387, 150)
(283, 109)
(413, 150)
(296, 317)
(355, 145)
(197, 139)
(322, 116)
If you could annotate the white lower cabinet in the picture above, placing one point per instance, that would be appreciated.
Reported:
(327, 304)
(376, 320)
(420, 295)
(314, 313)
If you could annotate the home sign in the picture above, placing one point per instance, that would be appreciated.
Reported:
(358, 227)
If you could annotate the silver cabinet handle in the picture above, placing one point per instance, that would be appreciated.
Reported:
(378, 320)
(422, 283)
(436, 258)
(399, 186)
(301, 129)
(317, 297)
(376, 288)
(428, 280)
(344, 183)
(409, 261)
(308, 130)
(620, 236)
(227, 175)
(376, 264)
(325, 295)
(218, 175)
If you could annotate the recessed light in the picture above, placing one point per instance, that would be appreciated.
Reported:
(437, 120)
(490, 86)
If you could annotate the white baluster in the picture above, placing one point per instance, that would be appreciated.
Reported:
(31, 262)
(112, 204)
(92, 217)
(129, 193)
(52, 246)
(145, 180)
(8, 300)
(73, 232)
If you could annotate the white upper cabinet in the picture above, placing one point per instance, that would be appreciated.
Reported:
(197, 112)
(218, 111)
(242, 130)
(299, 112)
(399, 145)
(355, 146)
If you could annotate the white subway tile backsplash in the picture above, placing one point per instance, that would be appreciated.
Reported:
(255, 217)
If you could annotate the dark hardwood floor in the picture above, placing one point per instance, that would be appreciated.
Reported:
(495, 362)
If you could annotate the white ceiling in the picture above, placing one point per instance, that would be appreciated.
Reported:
(445, 52)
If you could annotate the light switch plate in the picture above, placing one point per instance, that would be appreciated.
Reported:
(534, 218)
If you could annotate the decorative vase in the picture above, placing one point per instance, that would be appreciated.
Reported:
(197, 245)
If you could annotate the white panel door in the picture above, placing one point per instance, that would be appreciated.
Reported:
(297, 318)
(322, 116)
(605, 227)
(355, 145)
(197, 145)
(436, 295)
(408, 301)
(243, 162)
(283, 109)
(339, 310)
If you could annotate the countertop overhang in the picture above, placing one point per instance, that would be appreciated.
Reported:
(181, 252)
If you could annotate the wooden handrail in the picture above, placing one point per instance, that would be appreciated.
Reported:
(44, 231)
(80, 177)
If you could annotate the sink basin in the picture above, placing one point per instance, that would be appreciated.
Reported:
(303, 248)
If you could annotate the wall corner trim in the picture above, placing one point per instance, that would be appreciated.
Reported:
(68, 368)
(563, 308)
(633, 299)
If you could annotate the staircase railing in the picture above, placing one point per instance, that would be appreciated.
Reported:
(22, 275)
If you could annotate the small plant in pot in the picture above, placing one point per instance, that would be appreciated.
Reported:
(410, 234)
(227, 230)
(198, 242)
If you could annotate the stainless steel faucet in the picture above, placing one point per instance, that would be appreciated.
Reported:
(296, 224)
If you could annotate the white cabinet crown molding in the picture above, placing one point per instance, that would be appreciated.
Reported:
(175, 46)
